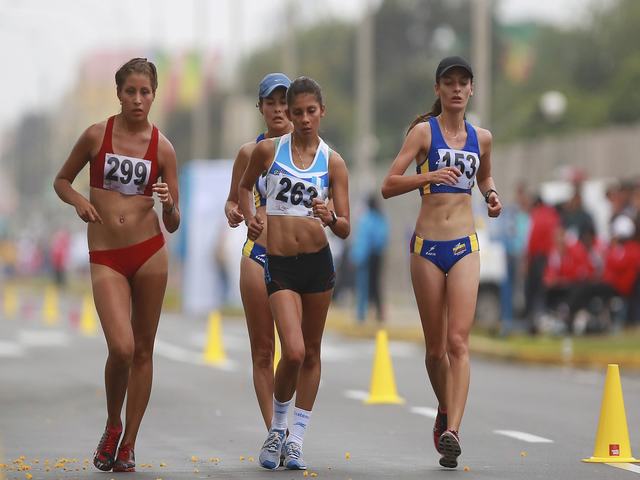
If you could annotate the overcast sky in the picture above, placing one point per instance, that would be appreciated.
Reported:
(43, 41)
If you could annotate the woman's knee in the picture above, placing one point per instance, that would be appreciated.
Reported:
(294, 355)
(121, 353)
(312, 356)
(143, 351)
(262, 357)
(435, 354)
(458, 345)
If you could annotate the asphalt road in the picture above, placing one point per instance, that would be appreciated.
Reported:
(521, 422)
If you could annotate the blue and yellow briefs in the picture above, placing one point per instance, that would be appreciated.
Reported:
(444, 254)
(255, 252)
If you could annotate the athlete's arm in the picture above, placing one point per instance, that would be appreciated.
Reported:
(167, 190)
(484, 178)
(258, 163)
(80, 155)
(339, 178)
(416, 145)
(231, 209)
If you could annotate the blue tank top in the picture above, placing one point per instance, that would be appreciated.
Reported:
(260, 188)
(441, 155)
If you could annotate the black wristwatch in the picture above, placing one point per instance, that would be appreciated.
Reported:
(334, 219)
(487, 193)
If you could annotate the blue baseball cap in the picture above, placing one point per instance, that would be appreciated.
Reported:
(270, 82)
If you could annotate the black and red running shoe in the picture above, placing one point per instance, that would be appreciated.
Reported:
(449, 448)
(439, 427)
(105, 454)
(126, 460)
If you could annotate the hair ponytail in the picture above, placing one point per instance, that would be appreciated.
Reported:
(436, 110)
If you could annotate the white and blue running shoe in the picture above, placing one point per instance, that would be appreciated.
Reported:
(271, 449)
(293, 457)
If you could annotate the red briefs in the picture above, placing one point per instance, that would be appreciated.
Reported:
(129, 259)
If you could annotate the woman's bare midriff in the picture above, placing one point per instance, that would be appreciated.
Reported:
(127, 220)
(294, 235)
(445, 216)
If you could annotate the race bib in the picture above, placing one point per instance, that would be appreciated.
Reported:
(126, 175)
(466, 162)
(294, 196)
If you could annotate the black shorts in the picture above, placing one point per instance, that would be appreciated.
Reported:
(303, 273)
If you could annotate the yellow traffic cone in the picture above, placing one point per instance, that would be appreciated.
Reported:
(277, 354)
(213, 349)
(88, 322)
(50, 305)
(612, 438)
(10, 304)
(383, 384)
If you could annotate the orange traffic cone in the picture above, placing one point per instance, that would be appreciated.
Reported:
(383, 383)
(612, 438)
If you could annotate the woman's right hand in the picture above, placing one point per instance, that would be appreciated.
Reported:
(446, 175)
(234, 216)
(254, 227)
(87, 212)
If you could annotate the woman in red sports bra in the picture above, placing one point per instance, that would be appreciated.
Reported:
(129, 160)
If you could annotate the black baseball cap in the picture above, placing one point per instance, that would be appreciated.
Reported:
(448, 63)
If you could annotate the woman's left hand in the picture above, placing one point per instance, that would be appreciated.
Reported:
(493, 205)
(321, 211)
(162, 191)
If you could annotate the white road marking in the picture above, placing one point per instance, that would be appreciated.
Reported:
(10, 349)
(629, 467)
(356, 394)
(424, 411)
(524, 436)
(179, 354)
(43, 338)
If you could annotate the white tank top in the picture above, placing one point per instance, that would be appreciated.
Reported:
(290, 190)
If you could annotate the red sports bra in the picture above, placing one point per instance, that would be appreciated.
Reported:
(122, 173)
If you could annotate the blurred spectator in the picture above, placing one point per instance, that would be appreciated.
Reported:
(544, 220)
(367, 253)
(512, 228)
(566, 274)
(619, 196)
(575, 219)
(59, 256)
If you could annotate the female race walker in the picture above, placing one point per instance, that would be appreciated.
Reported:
(450, 154)
(272, 102)
(127, 155)
(302, 173)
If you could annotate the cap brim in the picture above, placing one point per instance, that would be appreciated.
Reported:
(270, 90)
(450, 67)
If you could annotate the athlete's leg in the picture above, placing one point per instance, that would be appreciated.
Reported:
(112, 297)
(148, 286)
(261, 333)
(286, 306)
(462, 293)
(314, 314)
(429, 289)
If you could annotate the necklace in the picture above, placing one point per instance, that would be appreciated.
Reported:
(446, 130)
(300, 159)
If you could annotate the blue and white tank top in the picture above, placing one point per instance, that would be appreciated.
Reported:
(441, 155)
(260, 188)
(290, 190)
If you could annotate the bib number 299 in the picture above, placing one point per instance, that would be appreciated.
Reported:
(127, 171)
(297, 193)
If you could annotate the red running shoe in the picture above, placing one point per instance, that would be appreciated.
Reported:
(439, 427)
(450, 449)
(105, 453)
(126, 460)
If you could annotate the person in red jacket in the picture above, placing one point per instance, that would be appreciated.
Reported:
(544, 220)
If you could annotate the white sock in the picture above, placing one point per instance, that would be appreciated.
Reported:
(301, 419)
(280, 409)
